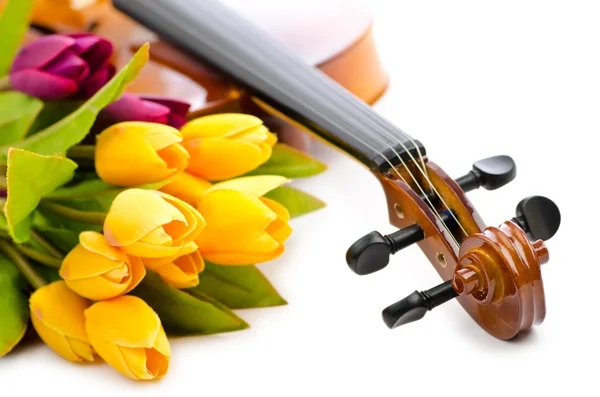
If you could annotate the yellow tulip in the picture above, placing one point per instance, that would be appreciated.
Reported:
(224, 146)
(57, 314)
(186, 187)
(97, 271)
(183, 271)
(151, 224)
(128, 335)
(241, 226)
(136, 153)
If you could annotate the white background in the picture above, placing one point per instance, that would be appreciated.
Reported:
(470, 79)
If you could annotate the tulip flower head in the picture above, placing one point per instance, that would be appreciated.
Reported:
(97, 271)
(137, 153)
(128, 335)
(241, 226)
(57, 314)
(186, 187)
(224, 146)
(131, 107)
(59, 66)
(181, 271)
(151, 224)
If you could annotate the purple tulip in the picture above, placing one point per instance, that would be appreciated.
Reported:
(131, 107)
(59, 66)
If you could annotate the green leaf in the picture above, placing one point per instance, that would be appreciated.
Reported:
(72, 129)
(14, 22)
(296, 201)
(17, 113)
(63, 239)
(53, 112)
(238, 287)
(14, 310)
(84, 189)
(30, 177)
(183, 314)
(289, 162)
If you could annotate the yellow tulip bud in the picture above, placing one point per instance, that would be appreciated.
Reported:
(57, 314)
(242, 227)
(183, 271)
(151, 224)
(128, 335)
(186, 187)
(224, 146)
(136, 153)
(98, 271)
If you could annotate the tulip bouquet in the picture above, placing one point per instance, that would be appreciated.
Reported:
(125, 221)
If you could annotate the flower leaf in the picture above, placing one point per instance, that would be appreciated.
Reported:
(296, 201)
(30, 177)
(14, 310)
(17, 113)
(72, 129)
(238, 287)
(289, 162)
(183, 314)
(14, 22)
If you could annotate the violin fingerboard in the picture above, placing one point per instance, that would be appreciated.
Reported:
(264, 67)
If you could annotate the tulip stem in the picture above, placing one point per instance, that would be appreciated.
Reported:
(22, 264)
(3, 183)
(82, 152)
(40, 257)
(45, 244)
(5, 84)
(92, 218)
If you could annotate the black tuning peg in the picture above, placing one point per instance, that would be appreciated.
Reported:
(416, 305)
(491, 173)
(538, 216)
(372, 252)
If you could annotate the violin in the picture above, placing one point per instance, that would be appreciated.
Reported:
(494, 272)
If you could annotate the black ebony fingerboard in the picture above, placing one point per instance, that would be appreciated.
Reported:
(267, 69)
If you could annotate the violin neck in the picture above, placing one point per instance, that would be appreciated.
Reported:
(265, 68)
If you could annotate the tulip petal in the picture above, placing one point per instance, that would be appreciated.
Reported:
(95, 264)
(161, 344)
(159, 136)
(110, 352)
(256, 185)
(183, 271)
(134, 213)
(186, 187)
(218, 159)
(96, 242)
(89, 86)
(58, 342)
(117, 164)
(126, 321)
(279, 229)
(255, 135)
(155, 263)
(68, 318)
(232, 216)
(81, 349)
(135, 359)
(176, 106)
(175, 156)
(144, 250)
(69, 65)
(97, 288)
(219, 125)
(43, 85)
(187, 231)
(41, 52)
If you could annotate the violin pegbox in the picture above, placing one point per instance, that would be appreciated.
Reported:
(493, 271)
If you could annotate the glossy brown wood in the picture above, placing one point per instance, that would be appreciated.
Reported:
(496, 271)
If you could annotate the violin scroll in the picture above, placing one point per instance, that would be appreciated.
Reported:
(497, 276)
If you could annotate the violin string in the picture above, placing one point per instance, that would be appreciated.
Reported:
(232, 56)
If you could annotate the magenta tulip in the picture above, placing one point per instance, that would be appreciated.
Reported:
(131, 107)
(60, 66)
